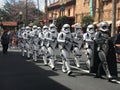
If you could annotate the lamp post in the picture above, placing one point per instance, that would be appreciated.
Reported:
(20, 18)
(1, 19)
(26, 18)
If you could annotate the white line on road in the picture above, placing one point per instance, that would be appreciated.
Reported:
(87, 71)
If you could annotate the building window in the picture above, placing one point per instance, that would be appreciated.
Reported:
(60, 13)
(51, 14)
(106, 2)
(68, 12)
(86, 2)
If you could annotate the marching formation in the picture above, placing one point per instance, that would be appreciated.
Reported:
(37, 41)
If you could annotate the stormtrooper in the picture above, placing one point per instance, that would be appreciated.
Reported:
(25, 34)
(20, 38)
(26, 38)
(88, 38)
(34, 31)
(102, 38)
(22, 29)
(44, 51)
(39, 32)
(35, 41)
(65, 43)
(77, 44)
(51, 37)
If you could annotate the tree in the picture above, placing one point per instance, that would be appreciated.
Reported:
(61, 21)
(29, 10)
(86, 20)
(4, 15)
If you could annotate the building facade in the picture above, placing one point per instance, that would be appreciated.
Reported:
(101, 9)
(59, 8)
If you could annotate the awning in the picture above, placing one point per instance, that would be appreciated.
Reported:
(9, 23)
(95, 22)
(75, 24)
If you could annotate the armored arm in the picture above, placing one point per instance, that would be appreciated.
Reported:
(61, 38)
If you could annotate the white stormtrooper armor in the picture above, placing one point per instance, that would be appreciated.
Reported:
(26, 32)
(101, 38)
(77, 44)
(35, 42)
(22, 29)
(51, 37)
(65, 43)
(39, 32)
(88, 38)
(35, 31)
(34, 28)
(27, 40)
(44, 43)
(20, 38)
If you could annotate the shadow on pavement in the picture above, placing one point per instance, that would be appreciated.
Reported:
(18, 74)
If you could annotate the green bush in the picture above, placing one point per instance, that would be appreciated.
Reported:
(61, 21)
(86, 20)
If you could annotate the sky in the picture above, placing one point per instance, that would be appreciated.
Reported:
(41, 4)
(1, 3)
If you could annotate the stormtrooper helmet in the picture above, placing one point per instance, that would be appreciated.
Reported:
(34, 27)
(27, 28)
(52, 27)
(45, 28)
(39, 28)
(90, 29)
(22, 28)
(78, 29)
(103, 26)
(66, 28)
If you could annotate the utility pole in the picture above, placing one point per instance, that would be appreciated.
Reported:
(26, 22)
(46, 12)
(113, 17)
(38, 7)
(99, 10)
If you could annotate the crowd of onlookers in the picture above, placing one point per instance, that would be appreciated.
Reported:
(13, 39)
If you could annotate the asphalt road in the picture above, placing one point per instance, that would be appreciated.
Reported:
(20, 73)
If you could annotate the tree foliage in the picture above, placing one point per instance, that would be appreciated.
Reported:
(4, 14)
(12, 8)
(86, 20)
(61, 21)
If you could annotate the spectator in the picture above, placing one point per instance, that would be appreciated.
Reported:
(5, 41)
(117, 45)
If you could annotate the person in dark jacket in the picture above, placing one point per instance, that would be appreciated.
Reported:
(5, 41)
(117, 44)
(105, 54)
